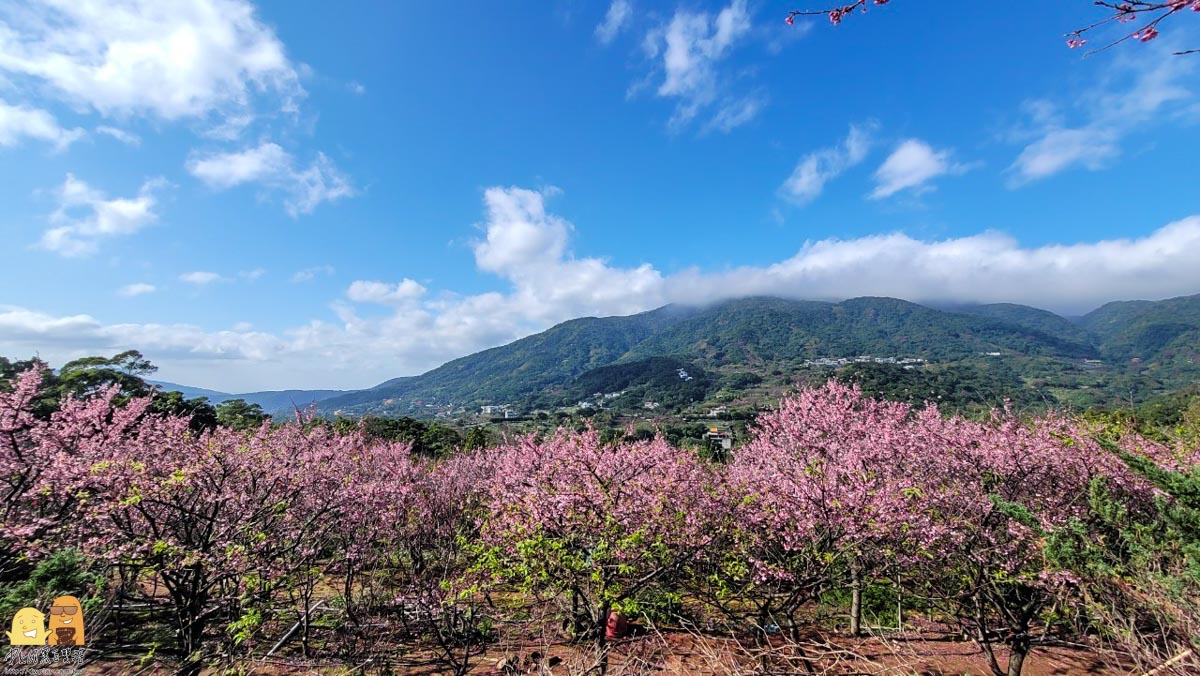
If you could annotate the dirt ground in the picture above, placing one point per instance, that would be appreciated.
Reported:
(690, 654)
(684, 653)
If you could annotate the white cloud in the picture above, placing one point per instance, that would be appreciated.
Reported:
(528, 247)
(267, 161)
(128, 138)
(85, 216)
(356, 87)
(229, 128)
(309, 274)
(83, 334)
(169, 59)
(691, 45)
(383, 293)
(251, 275)
(1134, 94)
(910, 167)
(18, 122)
(201, 278)
(819, 167)
(617, 17)
(138, 289)
(733, 113)
(273, 167)
(519, 231)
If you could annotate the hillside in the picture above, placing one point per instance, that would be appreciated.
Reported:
(1166, 331)
(763, 336)
(519, 369)
(766, 330)
(666, 381)
(1031, 318)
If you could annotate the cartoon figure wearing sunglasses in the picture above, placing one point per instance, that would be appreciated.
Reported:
(66, 622)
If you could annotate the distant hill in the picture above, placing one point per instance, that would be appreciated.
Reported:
(1123, 350)
(1031, 318)
(753, 335)
(213, 396)
(1166, 331)
(765, 330)
(280, 401)
(519, 369)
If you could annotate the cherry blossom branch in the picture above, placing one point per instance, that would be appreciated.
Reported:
(1121, 12)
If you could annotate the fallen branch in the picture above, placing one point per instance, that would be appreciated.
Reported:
(295, 627)
(1166, 665)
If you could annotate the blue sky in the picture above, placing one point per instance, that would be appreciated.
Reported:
(272, 195)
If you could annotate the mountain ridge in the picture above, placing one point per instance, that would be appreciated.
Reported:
(774, 334)
(271, 401)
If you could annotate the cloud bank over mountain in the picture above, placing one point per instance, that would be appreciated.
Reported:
(384, 328)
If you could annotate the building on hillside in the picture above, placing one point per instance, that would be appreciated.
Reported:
(719, 440)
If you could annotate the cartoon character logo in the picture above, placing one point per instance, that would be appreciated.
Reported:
(28, 628)
(66, 621)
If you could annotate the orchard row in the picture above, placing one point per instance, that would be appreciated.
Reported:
(1015, 529)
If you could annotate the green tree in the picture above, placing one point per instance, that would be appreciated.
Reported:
(1138, 564)
(440, 441)
(240, 414)
(88, 375)
(203, 415)
(477, 437)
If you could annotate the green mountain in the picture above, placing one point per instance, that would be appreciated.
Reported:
(518, 370)
(1166, 331)
(756, 331)
(754, 337)
(1031, 318)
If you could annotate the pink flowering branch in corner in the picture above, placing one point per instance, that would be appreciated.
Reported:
(1145, 14)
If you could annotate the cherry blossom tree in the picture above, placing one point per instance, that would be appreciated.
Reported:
(221, 519)
(43, 458)
(990, 493)
(594, 526)
(407, 543)
(822, 494)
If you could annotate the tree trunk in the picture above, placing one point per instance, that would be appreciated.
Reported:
(602, 639)
(1021, 642)
(1016, 660)
(189, 595)
(794, 632)
(761, 640)
(304, 630)
(981, 635)
(855, 598)
(192, 632)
